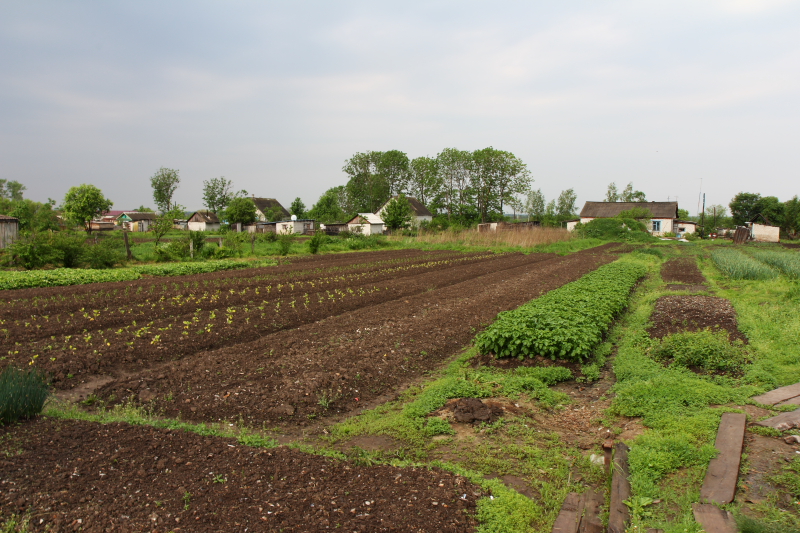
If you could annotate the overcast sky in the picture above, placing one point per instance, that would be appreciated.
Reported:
(277, 95)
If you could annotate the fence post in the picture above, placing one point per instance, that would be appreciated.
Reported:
(253, 244)
(127, 245)
(191, 248)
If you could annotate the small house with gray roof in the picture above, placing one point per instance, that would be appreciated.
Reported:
(663, 215)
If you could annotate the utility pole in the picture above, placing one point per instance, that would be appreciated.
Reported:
(703, 218)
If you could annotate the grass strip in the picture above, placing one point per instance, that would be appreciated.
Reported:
(568, 322)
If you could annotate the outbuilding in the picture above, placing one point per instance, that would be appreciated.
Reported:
(761, 230)
(419, 213)
(203, 221)
(135, 221)
(366, 224)
(9, 229)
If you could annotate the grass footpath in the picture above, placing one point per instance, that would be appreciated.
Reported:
(682, 408)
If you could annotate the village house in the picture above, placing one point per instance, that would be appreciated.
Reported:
(9, 228)
(203, 221)
(419, 213)
(135, 221)
(366, 224)
(264, 206)
(663, 217)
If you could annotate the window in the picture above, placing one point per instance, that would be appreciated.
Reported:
(656, 225)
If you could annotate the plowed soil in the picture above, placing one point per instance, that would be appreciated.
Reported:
(674, 314)
(81, 476)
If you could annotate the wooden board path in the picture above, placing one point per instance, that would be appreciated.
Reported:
(791, 401)
(719, 485)
(618, 513)
(580, 513)
(713, 519)
(778, 395)
(783, 421)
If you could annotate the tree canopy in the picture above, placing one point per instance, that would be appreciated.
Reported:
(397, 213)
(329, 208)
(298, 208)
(164, 182)
(240, 210)
(83, 203)
(217, 193)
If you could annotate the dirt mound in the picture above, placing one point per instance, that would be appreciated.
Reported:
(473, 411)
(674, 314)
(74, 475)
(682, 270)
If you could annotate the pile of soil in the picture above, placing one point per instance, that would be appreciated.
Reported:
(474, 411)
(675, 314)
(75, 475)
(682, 270)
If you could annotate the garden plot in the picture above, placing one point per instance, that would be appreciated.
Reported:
(353, 356)
(675, 314)
(82, 476)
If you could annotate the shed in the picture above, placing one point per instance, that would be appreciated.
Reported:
(366, 224)
(664, 214)
(135, 221)
(265, 205)
(203, 221)
(298, 227)
(419, 213)
(682, 227)
(9, 228)
(761, 230)
(572, 223)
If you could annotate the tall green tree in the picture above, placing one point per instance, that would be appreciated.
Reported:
(165, 221)
(11, 189)
(367, 189)
(217, 193)
(240, 210)
(397, 213)
(34, 216)
(772, 209)
(393, 168)
(425, 183)
(791, 217)
(744, 207)
(164, 182)
(455, 168)
(566, 203)
(84, 203)
(631, 195)
(329, 209)
(535, 205)
(298, 208)
(612, 195)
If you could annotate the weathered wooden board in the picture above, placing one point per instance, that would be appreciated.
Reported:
(568, 518)
(791, 401)
(590, 517)
(651, 530)
(713, 519)
(719, 485)
(783, 421)
(778, 395)
(618, 513)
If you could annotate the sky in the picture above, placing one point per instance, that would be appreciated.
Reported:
(677, 97)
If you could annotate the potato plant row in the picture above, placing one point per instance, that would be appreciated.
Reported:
(251, 293)
(566, 323)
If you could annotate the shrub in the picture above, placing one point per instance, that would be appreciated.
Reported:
(32, 251)
(567, 322)
(316, 241)
(22, 394)
(267, 237)
(104, 254)
(709, 350)
(198, 240)
(624, 229)
(285, 243)
(70, 247)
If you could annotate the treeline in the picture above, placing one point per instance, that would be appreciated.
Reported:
(746, 206)
(33, 216)
(464, 186)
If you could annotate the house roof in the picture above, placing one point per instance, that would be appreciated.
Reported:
(417, 208)
(116, 212)
(204, 216)
(612, 209)
(766, 221)
(265, 204)
(6, 218)
(136, 216)
(371, 218)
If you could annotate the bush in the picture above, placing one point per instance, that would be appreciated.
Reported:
(567, 322)
(70, 247)
(708, 350)
(22, 394)
(285, 242)
(198, 240)
(104, 254)
(316, 241)
(267, 237)
(615, 229)
(32, 251)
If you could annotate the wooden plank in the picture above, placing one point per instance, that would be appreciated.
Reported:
(719, 485)
(713, 519)
(651, 530)
(791, 401)
(778, 395)
(783, 421)
(568, 519)
(618, 513)
(590, 517)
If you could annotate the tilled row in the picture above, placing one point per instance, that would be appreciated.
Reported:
(337, 364)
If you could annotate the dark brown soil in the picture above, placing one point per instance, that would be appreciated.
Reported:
(682, 270)
(81, 476)
(687, 288)
(474, 411)
(674, 314)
